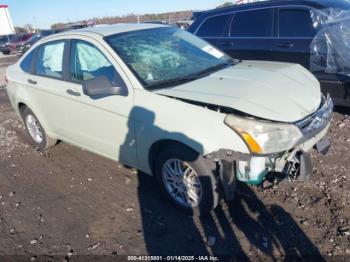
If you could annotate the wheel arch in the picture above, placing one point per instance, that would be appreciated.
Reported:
(160, 145)
(21, 105)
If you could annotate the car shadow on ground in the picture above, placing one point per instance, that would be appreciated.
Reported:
(243, 228)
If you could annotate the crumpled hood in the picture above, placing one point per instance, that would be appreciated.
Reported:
(275, 91)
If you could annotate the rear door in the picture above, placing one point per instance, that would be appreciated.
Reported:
(213, 28)
(46, 86)
(295, 32)
(249, 35)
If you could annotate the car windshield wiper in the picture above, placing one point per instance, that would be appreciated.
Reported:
(192, 77)
(171, 82)
(212, 69)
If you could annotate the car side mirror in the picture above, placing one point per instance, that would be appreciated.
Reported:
(101, 86)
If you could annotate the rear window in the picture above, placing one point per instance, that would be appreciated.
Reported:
(27, 63)
(256, 23)
(214, 26)
(296, 23)
(49, 60)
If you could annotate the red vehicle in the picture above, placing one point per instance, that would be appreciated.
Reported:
(17, 43)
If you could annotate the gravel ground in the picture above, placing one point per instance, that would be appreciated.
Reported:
(68, 201)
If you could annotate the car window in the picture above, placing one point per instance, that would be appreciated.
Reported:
(296, 23)
(88, 62)
(214, 26)
(256, 23)
(50, 59)
(27, 62)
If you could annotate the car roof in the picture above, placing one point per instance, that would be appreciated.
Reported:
(313, 3)
(114, 29)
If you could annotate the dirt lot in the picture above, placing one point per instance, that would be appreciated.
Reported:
(68, 202)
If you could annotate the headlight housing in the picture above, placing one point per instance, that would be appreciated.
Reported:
(265, 137)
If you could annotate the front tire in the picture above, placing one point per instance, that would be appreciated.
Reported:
(35, 131)
(187, 179)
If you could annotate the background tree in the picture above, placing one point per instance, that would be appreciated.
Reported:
(28, 28)
(133, 18)
(58, 26)
(20, 30)
(226, 4)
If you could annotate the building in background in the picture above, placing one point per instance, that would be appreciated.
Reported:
(6, 26)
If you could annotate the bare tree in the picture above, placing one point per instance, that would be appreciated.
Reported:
(226, 4)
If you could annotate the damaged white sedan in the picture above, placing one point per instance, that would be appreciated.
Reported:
(168, 103)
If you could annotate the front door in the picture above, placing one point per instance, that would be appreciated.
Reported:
(100, 124)
(249, 35)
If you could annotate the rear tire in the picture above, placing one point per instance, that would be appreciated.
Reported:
(35, 131)
(187, 179)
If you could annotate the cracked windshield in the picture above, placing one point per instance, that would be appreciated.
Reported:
(161, 56)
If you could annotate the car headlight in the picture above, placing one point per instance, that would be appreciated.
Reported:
(265, 137)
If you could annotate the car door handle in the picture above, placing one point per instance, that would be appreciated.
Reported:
(73, 93)
(286, 45)
(31, 81)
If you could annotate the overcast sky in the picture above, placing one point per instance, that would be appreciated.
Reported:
(43, 13)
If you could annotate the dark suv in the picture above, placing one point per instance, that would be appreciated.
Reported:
(274, 31)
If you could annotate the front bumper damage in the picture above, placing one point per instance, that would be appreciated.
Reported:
(294, 164)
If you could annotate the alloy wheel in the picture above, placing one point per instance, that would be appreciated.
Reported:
(34, 129)
(182, 182)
